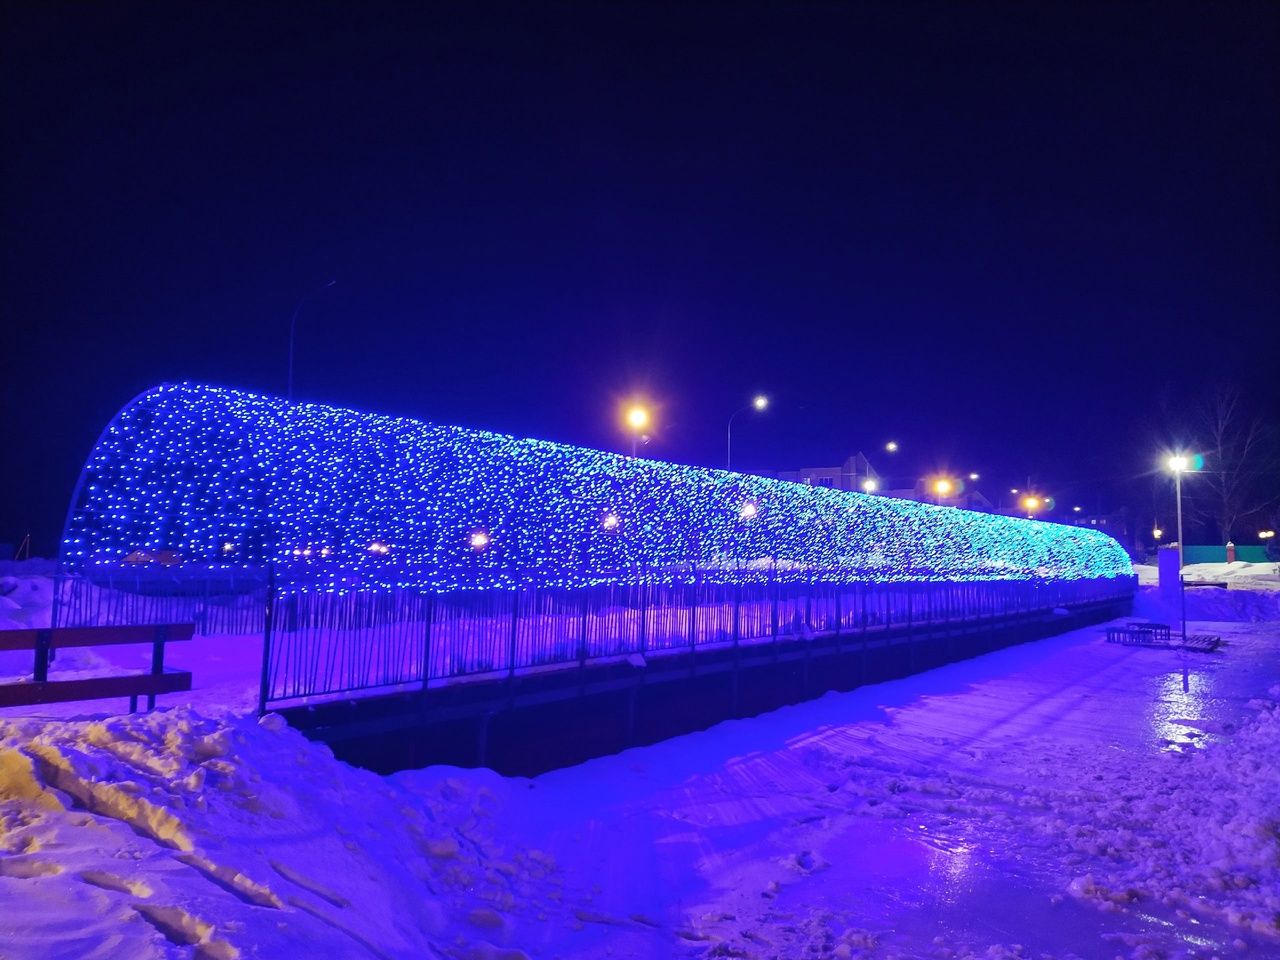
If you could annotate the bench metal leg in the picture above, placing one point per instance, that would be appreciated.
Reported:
(157, 661)
(133, 703)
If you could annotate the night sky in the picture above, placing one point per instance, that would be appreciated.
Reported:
(1012, 237)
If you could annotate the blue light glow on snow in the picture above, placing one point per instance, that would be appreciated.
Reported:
(344, 500)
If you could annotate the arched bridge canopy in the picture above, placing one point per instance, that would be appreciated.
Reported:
(220, 479)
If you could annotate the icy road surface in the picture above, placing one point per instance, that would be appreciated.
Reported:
(1062, 798)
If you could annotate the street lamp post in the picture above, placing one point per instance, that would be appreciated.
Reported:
(293, 326)
(1178, 463)
(759, 404)
(637, 418)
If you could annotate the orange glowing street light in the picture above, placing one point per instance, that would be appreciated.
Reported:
(637, 419)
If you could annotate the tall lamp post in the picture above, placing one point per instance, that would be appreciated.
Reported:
(293, 326)
(759, 403)
(637, 418)
(1179, 463)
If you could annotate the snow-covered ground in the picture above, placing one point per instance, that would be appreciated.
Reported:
(1061, 798)
(1239, 575)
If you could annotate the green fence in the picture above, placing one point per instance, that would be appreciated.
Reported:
(1251, 553)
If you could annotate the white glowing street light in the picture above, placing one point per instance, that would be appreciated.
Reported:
(759, 403)
(891, 446)
(870, 485)
(973, 476)
(1179, 463)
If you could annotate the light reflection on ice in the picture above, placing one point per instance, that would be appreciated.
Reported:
(951, 863)
(1172, 705)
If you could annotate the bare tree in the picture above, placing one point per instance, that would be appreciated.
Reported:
(1241, 474)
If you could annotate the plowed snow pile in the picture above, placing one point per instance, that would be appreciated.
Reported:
(135, 836)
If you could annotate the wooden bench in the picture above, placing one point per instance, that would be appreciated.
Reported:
(1140, 634)
(40, 689)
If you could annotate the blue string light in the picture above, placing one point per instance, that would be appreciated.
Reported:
(340, 500)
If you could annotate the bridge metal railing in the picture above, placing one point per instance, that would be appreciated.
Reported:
(320, 643)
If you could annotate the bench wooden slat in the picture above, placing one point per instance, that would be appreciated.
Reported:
(96, 636)
(94, 688)
(18, 639)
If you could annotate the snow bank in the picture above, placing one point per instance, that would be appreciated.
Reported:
(25, 602)
(1239, 575)
(243, 839)
(1209, 604)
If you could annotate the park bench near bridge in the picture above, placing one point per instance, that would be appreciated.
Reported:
(43, 640)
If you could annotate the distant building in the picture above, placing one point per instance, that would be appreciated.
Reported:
(853, 474)
(1116, 525)
(962, 496)
(856, 473)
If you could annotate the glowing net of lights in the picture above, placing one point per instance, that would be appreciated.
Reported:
(221, 479)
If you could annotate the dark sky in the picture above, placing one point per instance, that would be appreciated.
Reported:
(997, 233)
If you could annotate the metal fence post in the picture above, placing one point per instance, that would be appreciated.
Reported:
(268, 628)
(582, 636)
(774, 589)
(642, 588)
(426, 641)
(515, 633)
(737, 613)
(693, 612)
(911, 638)
(838, 588)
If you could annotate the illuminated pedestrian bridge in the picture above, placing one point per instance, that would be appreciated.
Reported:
(400, 550)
